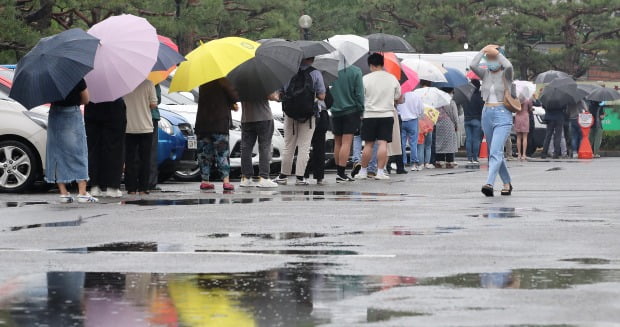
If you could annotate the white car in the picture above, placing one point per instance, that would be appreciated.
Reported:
(184, 104)
(23, 137)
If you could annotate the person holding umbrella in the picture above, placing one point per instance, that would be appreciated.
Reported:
(473, 128)
(496, 119)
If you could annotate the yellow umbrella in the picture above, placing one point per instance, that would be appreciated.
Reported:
(211, 61)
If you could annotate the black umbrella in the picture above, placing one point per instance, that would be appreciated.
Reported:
(549, 76)
(167, 58)
(314, 48)
(561, 92)
(273, 66)
(589, 88)
(53, 67)
(604, 94)
(463, 94)
(380, 42)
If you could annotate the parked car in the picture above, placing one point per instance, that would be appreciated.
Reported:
(23, 137)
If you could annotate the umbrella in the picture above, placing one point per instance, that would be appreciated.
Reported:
(471, 75)
(433, 97)
(561, 92)
(53, 67)
(273, 66)
(455, 78)
(314, 48)
(391, 64)
(158, 76)
(525, 90)
(604, 94)
(212, 60)
(168, 41)
(412, 80)
(352, 47)
(127, 53)
(548, 76)
(589, 88)
(380, 42)
(426, 70)
(328, 64)
(463, 94)
(167, 58)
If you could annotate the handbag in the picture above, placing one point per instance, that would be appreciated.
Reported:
(511, 103)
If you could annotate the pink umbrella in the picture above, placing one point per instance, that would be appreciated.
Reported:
(412, 80)
(126, 55)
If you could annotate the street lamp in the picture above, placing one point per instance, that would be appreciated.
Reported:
(178, 7)
(177, 17)
(305, 22)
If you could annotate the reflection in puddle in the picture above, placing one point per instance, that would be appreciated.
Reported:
(286, 252)
(68, 223)
(501, 212)
(15, 204)
(292, 296)
(435, 231)
(588, 261)
(187, 202)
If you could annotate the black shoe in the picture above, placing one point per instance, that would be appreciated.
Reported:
(487, 190)
(343, 179)
(544, 156)
(356, 169)
(555, 156)
(401, 172)
(507, 191)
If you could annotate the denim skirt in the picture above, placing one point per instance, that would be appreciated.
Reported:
(67, 153)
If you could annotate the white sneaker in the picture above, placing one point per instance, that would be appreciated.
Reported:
(382, 176)
(66, 198)
(266, 183)
(112, 193)
(415, 168)
(301, 182)
(281, 181)
(95, 190)
(362, 175)
(87, 198)
(429, 166)
(475, 162)
(247, 182)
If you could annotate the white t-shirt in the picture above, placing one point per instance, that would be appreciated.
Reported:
(139, 119)
(381, 89)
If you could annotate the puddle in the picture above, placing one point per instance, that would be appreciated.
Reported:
(270, 236)
(378, 315)
(500, 213)
(296, 295)
(435, 231)
(531, 279)
(187, 202)
(68, 223)
(582, 220)
(588, 261)
(458, 172)
(286, 252)
(555, 169)
(15, 204)
(340, 193)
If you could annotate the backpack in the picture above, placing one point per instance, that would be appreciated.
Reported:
(298, 100)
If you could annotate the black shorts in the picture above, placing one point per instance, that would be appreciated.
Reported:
(377, 129)
(346, 124)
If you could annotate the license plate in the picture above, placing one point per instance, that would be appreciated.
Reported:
(192, 143)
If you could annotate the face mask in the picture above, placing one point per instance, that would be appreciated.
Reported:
(493, 65)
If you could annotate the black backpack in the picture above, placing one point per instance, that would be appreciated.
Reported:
(298, 100)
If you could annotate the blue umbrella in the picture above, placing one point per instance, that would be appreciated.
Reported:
(455, 79)
(53, 67)
(167, 58)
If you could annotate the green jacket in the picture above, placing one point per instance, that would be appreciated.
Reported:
(348, 92)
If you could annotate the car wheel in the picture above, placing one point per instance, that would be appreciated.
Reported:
(190, 175)
(19, 166)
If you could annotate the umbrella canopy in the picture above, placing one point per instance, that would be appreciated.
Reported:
(167, 58)
(352, 47)
(168, 41)
(426, 70)
(412, 80)
(329, 65)
(127, 54)
(525, 90)
(212, 60)
(455, 78)
(471, 75)
(433, 97)
(380, 42)
(604, 94)
(273, 66)
(589, 88)
(391, 64)
(314, 48)
(549, 76)
(463, 94)
(53, 67)
(561, 92)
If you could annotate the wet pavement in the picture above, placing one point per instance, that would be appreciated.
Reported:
(424, 249)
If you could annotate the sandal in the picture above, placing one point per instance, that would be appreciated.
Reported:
(487, 190)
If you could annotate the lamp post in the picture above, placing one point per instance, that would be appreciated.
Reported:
(177, 16)
(305, 22)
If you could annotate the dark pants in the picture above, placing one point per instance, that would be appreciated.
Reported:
(105, 132)
(433, 153)
(446, 157)
(554, 128)
(575, 135)
(138, 162)
(250, 133)
(567, 137)
(153, 179)
(316, 162)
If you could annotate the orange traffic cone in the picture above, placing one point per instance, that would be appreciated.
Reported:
(585, 148)
(484, 149)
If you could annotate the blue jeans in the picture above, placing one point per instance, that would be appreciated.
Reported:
(473, 132)
(409, 131)
(575, 133)
(424, 150)
(357, 153)
(497, 123)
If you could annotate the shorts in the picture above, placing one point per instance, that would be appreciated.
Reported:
(346, 124)
(377, 129)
